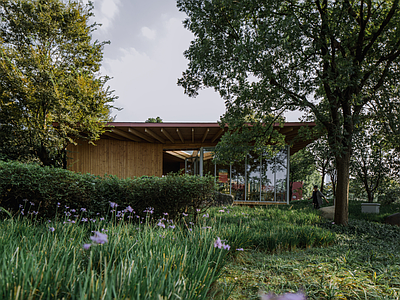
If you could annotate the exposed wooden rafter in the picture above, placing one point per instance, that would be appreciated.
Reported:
(125, 135)
(205, 135)
(167, 135)
(151, 133)
(180, 135)
(141, 135)
(113, 135)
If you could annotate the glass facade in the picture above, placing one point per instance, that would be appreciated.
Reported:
(256, 179)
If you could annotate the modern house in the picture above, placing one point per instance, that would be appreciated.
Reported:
(155, 149)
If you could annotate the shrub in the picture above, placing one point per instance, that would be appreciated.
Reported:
(46, 187)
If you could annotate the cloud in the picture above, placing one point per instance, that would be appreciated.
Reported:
(145, 81)
(147, 32)
(106, 11)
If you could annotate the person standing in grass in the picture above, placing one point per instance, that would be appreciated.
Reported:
(317, 198)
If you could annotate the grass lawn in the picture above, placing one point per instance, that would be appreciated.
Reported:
(362, 263)
(277, 248)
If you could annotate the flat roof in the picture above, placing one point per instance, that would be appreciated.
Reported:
(187, 135)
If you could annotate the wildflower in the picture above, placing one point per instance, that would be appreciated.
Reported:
(113, 204)
(22, 212)
(198, 210)
(66, 207)
(218, 243)
(149, 210)
(25, 200)
(99, 238)
(206, 216)
(129, 208)
(185, 215)
(58, 204)
(221, 210)
(84, 220)
(102, 219)
(73, 210)
(191, 223)
(73, 222)
(171, 226)
(51, 229)
(161, 224)
(86, 246)
(33, 204)
(20, 206)
(67, 213)
(206, 227)
(239, 249)
(83, 209)
(287, 296)
(105, 230)
(165, 214)
(190, 229)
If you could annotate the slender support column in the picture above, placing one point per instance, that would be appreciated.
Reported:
(275, 178)
(230, 179)
(215, 172)
(261, 157)
(288, 174)
(245, 179)
(186, 169)
(201, 161)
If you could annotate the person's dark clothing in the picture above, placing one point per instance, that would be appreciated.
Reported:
(317, 199)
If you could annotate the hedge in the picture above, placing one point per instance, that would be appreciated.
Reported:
(48, 190)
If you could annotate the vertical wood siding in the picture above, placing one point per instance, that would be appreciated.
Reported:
(121, 158)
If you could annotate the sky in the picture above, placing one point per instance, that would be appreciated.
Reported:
(145, 60)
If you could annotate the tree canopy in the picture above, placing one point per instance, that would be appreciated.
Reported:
(330, 59)
(51, 91)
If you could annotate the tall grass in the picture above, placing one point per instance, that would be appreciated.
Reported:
(152, 259)
(138, 262)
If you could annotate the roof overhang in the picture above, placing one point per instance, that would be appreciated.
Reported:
(186, 136)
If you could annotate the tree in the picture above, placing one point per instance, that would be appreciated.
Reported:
(327, 58)
(324, 159)
(372, 161)
(50, 89)
(301, 164)
(154, 120)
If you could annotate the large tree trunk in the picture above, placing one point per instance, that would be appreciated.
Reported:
(342, 189)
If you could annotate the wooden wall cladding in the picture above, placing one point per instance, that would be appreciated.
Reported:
(121, 158)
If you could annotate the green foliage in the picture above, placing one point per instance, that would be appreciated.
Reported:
(50, 90)
(268, 57)
(45, 187)
(137, 262)
(154, 120)
(363, 260)
(372, 161)
(271, 229)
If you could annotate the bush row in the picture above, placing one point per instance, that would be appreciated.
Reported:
(52, 189)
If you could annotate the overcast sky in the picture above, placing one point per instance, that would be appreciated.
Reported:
(145, 59)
